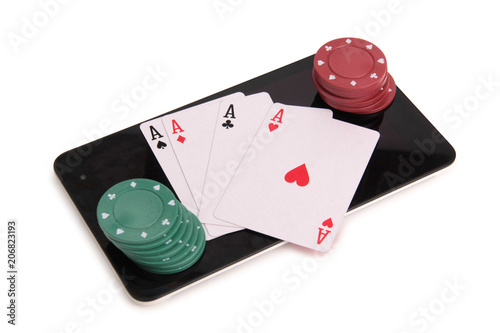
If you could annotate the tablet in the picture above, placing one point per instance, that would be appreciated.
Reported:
(410, 149)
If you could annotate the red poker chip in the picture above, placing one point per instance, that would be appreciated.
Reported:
(361, 95)
(383, 104)
(388, 97)
(358, 102)
(351, 67)
(354, 96)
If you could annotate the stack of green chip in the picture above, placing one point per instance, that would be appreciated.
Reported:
(150, 226)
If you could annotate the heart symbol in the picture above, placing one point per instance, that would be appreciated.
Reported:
(171, 203)
(381, 60)
(272, 127)
(328, 223)
(156, 187)
(299, 175)
(320, 62)
(332, 77)
(369, 47)
(161, 145)
(119, 231)
(104, 215)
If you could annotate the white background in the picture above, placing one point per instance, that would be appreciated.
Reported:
(60, 86)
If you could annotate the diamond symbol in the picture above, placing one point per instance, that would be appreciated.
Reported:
(332, 77)
(111, 196)
(181, 139)
(369, 47)
(156, 187)
(104, 215)
(144, 234)
(320, 62)
(133, 184)
(328, 48)
(348, 41)
(381, 60)
(119, 231)
(353, 83)
(374, 76)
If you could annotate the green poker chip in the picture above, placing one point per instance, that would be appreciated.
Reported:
(173, 264)
(144, 220)
(191, 250)
(157, 245)
(172, 247)
(176, 268)
(137, 211)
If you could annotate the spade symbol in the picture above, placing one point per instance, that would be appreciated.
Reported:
(161, 145)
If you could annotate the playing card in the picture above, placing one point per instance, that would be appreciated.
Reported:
(190, 133)
(299, 175)
(215, 230)
(237, 121)
(208, 236)
(156, 136)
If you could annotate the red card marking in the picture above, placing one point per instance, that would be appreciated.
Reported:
(272, 127)
(322, 235)
(328, 223)
(299, 175)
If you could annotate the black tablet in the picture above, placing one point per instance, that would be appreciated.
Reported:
(409, 149)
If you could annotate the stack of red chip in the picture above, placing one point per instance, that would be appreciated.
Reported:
(351, 75)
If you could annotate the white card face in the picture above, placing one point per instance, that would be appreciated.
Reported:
(215, 230)
(156, 136)
(299, 176)
(208, 236)
(190, 132)
(237, 122)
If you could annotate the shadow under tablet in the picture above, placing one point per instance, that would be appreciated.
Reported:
(409, 149)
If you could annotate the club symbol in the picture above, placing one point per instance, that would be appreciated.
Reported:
(227, 124)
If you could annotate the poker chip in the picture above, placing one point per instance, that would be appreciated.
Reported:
(161, 245)
(351, 75)
(378, 103)
(144, 220)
